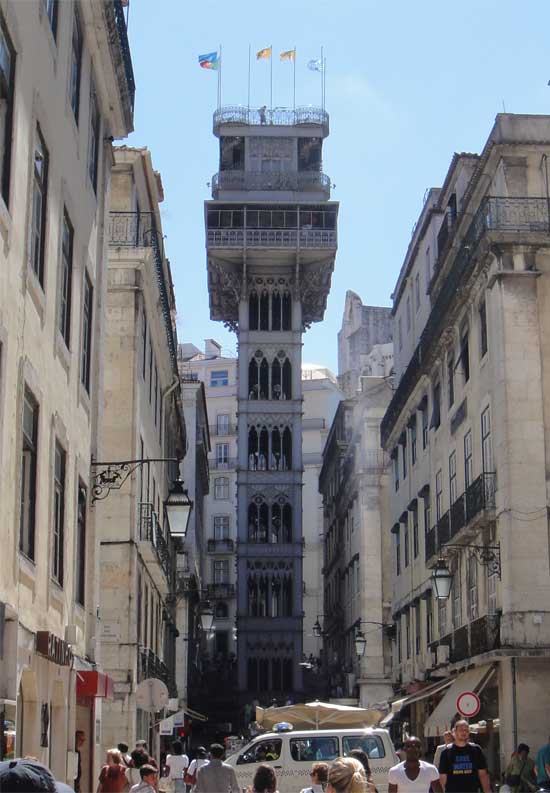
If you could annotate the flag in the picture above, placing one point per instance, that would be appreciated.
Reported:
(209, 61)
(265, 53)
(289, 55)
(315, 65)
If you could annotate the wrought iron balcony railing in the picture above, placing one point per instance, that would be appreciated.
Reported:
(152, 666)
(295, 181)
(278, 116)
(221, 546)
(222, 430)
(151, 531)
(517, 216)
(122, 39)
(223, 465)
(479, 636)
(479, 496)
(220, 591)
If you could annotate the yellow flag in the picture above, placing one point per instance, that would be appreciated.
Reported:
(289, 55)
(265, 53)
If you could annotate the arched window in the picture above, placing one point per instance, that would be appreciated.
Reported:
(287, 524)
(286, 605)
(264, 379)
(263, 674)
(253, 523)
(252, 674)
(276, 595)
(253, 391)
(262, 596)
(287, 311)
(253, 310)
(221, 612)
(263, 450)
(264, 310)
(287, 380)
(253, 461)
(275, 523)
(276, 306)
(287, 450)
(276, 380)
(252, 596)
(275, 462)
(264, 524)
(276, 674)
(287, 674)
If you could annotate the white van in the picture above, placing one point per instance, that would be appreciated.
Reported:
(293, 753)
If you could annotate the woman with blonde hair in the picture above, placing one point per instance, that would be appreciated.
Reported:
(347, 775)
(112, 778)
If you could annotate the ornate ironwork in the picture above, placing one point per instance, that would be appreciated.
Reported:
(220, 591)
(487, 555)
(221, 546)
(151, 531)
(303, 181)
(112, 475)
(279, 116)
(125, 49)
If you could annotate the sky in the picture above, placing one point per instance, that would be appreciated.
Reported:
(407, 85)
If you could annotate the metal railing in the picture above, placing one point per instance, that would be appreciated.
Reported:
(278, 116)
(494, 214)
(223, 430)
(139, 229)
(125, 50)
(476, 637)
(152, 666)
(297, 181)
(479, 496)
(220, 591)
(221, 546)
(223, 465)
(150, 530)
(270, 238)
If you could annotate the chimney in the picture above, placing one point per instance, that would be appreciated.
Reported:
(212, 349)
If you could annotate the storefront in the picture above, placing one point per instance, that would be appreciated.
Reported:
(92, 687)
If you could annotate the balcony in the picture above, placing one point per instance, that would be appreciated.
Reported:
(154, 547)
(151, 666)
(509, 219)
(293, 181)
(470, 509)
(220, 591)
(475, 638)
(223, 465)
(223, 430)
(122, 59)
(278, 116)
(221, 546)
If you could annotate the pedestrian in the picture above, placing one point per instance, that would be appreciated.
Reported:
(123, 749)
(216, 776)
(346, 775)
(319, 778)
(112, 778)
(261, 113)
(148, 781)
(362, 756)
(176, 765)
(447, 739)
(413, 775)
(264, 780)
(520, 773)
(141, 744)
(138, 759)
(543, 766)
(30, 776)
(198, 762)
(79, 740)
(463, 767)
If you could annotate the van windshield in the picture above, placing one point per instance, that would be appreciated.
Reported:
(311, 749)
(371, 744)
(261, 752)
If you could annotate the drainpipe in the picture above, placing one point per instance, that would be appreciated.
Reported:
(514, 705)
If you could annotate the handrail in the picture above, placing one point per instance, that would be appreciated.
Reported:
(263, 116)
(125, 49)
(302, 181)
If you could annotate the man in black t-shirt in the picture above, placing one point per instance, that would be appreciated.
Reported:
(462, 767)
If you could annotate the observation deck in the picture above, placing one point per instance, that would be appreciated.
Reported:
(240, 116)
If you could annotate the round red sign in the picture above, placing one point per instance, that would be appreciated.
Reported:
(468, 704)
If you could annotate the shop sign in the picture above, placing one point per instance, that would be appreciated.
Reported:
(53, 648)
(468, 704)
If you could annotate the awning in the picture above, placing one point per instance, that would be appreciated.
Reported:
(90, 683)
(442, 717)
(185, 711)
(318, 715)
(428, 691)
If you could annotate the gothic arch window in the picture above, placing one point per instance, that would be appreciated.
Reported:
(264, 310)
(253, 390)
(263, 535)
(253, 523)
(276, 674)
(275, 523)
(286, 602)
(286, 312)
(221, 611)
(263, 596)
(276, 310)
(252, 674)
(276, 380)
(287, 380)
(264, 379)
(263, 451)
(253, 309)
(287, 450)
(276, 450)
(287, 523)
(263, 674)
(253, 449)
(276, 595)
(252, 596)
(287, 674)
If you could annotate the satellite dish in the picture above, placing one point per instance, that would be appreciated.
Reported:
(152, 694)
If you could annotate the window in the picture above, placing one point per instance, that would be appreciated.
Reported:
(451, 379)
(412, 426)
(221, 643)
(144, 344)
(51, 7)
(94, 140)
(398, 640)
(468, 460)
(39, 199)
(7, 73)
(28, 475)
(66, 278)
(222, 455)
(409, 314)
(471, 570)
(220, 571)
(370, 744)
(406, 540)
(219, 378)
(75, 66)
(415, 530)
(87, 323)
(429, 619)
(417, 290)
(403, 443)
(398, 550)
(222, 424)
(221, 488)
(58, 539)
(486, 442)
(395, 457)
(491, 592)
(452, 478)
(482, 311)
(400, 333)
(417, 629)
(427, 511)
(436, 407)
(465, 355)
(258, 751)
(456, 596)
(221, 527)
(424, 411)
(80, 582)
(428, 269)
(442, 617)
(408, 632)
(438, 494)
(311, 750)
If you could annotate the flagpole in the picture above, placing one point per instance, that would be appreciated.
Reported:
(322, 83)
(220, 79)
(294, 64)
(271, 77)
(248, 114)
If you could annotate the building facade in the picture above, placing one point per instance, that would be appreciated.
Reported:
(67, 88)
(466, 430)
(143, 421)
(271, 243)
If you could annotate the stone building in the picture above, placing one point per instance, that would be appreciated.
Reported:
(467, 433)
(143, 420)
(67, 89)
(354, 487)
(271, 242)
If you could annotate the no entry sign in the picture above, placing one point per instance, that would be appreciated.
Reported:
(468, 704)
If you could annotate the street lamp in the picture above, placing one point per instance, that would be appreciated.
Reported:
(442, 580)
(178, 507)
(360, 643)
(317, 629)
(207, 617)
